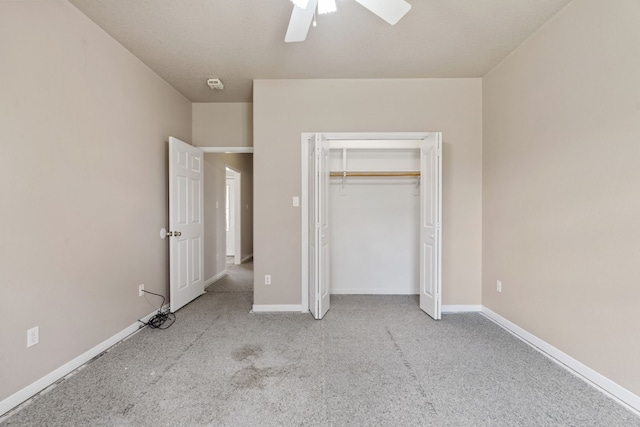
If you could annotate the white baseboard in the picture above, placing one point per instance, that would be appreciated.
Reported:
(215, 278)
(247, 258)
(31, 390)
(461, 308)
(599, 381)
(271, 308)
(368, 291)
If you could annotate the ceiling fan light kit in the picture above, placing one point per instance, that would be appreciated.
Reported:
(303, 14)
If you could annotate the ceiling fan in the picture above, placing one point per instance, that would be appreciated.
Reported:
(304, 12)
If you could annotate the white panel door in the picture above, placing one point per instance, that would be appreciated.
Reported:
(319, 231)
(186, 236)
(430, 226)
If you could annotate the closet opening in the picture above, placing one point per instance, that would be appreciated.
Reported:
(371, 217)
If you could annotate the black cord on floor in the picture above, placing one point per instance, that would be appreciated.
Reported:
(156, 321)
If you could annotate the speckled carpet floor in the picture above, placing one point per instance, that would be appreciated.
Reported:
(372, 361)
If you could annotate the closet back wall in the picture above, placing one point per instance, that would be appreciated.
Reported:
(374, 238)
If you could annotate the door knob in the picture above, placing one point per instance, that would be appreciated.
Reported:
(169, 233)
(177, 234)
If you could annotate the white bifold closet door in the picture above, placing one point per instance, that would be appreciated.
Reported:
(319, 232)
(430, 226)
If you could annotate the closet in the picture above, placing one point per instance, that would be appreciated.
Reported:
(374, 210)
(372, 217)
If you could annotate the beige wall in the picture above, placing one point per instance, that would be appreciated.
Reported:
(214, 225)
(285, 108)
(83, 169)
(223, 124)
(561, 186)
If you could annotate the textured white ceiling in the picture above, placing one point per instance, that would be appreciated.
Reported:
(188, 41)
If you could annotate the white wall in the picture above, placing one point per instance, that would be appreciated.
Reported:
(374, 223)
(83, 179)
(374, 236)
(561, 186)
(283, 109)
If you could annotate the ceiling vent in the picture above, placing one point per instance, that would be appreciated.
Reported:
(215, 84)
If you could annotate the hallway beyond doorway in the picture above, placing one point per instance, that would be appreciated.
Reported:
(239, 278)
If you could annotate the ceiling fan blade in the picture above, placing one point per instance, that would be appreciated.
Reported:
(389, 10)
(300, 22)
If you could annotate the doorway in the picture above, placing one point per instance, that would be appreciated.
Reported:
(197, 195)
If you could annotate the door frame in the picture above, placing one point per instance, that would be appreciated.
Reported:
(304, 195)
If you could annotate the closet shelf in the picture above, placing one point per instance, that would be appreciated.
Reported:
(342, 174)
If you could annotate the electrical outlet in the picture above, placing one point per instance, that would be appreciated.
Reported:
(141, 290)
(33, 336)
(267, 279)
(498, 286)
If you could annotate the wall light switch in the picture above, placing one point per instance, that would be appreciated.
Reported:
(267, 279)
(498, 285)
(296, 201)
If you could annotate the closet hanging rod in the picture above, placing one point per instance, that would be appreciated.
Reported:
(371, 173)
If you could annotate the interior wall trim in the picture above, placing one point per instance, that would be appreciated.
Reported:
(271, 308)
(612, 389)
(366, 291)
(31, 390)
(227, 150)
(461, 308)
